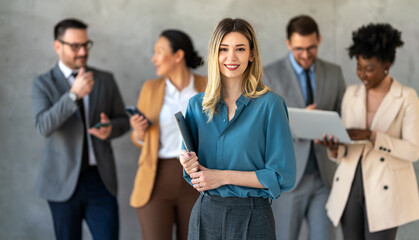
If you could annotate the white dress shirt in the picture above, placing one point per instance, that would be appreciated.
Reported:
(67, 74)
(174, 101)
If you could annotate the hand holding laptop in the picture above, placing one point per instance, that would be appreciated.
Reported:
(356, 135)
(360, 134)
(329, 142)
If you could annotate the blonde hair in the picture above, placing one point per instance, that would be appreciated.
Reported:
(252, 86)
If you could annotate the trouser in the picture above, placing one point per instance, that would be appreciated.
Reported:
(215, 218)
(91, 201)
(306, 201)
(354, 219)
(171, 203)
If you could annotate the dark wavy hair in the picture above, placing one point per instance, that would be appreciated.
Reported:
(378, 40)
(180, 40)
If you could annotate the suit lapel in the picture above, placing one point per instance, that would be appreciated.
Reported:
(320, 95)
(388, 108)
(293, 85)
(356, 117)
(62, 83)
(93, 96)
(158, 103)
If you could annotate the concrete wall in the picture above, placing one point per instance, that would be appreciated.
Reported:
(124, 32)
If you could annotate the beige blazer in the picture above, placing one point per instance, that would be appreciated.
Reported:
(150, 103)
(390, 186)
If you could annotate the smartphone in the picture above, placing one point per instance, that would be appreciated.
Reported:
(132, 110)
(99, 124)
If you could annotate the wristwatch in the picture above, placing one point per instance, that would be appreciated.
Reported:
(72, 96)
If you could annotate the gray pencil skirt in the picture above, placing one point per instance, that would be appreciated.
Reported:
(216, 218)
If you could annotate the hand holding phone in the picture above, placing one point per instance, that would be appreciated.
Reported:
(102, 129)
(132, 110)
(99, 124)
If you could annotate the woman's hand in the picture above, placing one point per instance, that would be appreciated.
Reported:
(359, 134)
(330, 142)
(207, 179)
(140, 125)
(189, 161)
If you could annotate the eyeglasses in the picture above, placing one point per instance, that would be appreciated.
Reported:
(76, 46)
(300, 50)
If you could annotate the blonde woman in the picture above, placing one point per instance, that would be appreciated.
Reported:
(243, 141)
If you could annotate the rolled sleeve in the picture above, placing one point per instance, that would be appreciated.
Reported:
(280, 167)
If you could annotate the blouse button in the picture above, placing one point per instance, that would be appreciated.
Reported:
(337, 179)
(385, 187)
(382, 159)
(388, 150)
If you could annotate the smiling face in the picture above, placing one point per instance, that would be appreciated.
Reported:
(164, 59)
(304, 48)
(71, 58)
(371, 71)
(234, 56)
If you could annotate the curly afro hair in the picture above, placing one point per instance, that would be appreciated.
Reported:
(376, 40)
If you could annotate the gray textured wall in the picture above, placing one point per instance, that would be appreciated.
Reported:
(124, 32)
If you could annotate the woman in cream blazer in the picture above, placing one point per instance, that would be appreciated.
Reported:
(375, 188)
(160, 194)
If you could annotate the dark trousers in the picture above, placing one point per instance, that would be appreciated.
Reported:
(91, 201)
(354, 219)
(170, 204)
(215, 218)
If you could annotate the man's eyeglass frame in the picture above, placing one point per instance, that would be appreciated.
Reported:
(76, 46)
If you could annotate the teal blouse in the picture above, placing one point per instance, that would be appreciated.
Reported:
(258, 138)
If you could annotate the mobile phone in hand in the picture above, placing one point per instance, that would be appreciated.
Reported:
(99, 124)
(132, 110)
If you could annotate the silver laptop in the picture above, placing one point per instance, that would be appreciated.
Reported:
(312, 124)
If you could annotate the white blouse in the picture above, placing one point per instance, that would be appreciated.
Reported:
(174, 101)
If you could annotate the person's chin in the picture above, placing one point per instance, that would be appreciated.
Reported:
(306, 64)
(81, 63)
(159, 73)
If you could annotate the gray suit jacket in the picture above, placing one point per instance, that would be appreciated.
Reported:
(58, 119)
(330, 87)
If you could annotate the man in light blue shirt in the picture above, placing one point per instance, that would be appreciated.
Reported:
(306, 82)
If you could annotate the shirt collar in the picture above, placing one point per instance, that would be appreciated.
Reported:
(297, 68)
(64, 69)
(242, 99)
(171, 89)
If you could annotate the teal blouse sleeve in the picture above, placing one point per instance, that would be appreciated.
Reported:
(280, 168)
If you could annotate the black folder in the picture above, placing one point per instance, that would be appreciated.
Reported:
(186, 134)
